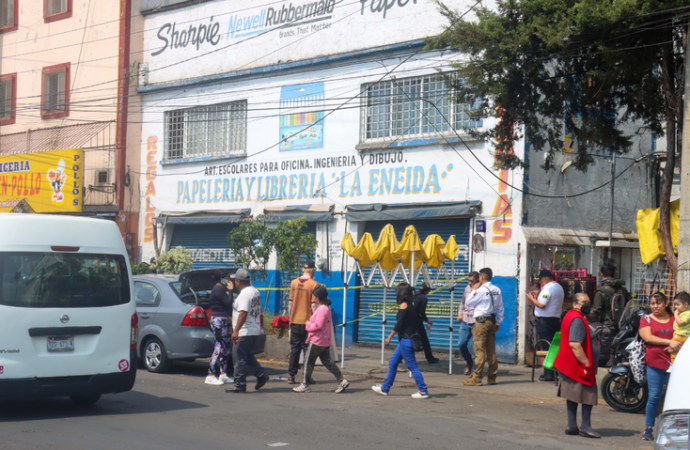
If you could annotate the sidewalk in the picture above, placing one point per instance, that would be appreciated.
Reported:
(513, 380)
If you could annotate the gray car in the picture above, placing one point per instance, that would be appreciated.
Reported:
(173, 318)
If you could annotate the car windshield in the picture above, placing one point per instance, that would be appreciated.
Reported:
(63, 280)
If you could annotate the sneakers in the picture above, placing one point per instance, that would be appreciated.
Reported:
(342, 386)
(302, 388)
(473, 382)
(420, 395)
(378, 389)
(261, 382)
(213, 381)
(226, 379)
(648, 435)
(291, 380)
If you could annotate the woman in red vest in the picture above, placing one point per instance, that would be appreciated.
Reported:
(576, 364)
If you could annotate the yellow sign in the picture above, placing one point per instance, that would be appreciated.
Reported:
(46, 181)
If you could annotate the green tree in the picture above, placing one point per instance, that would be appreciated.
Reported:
(588, 66)
(251, 244)
(291, 243)
(141, 269)
(174, 261)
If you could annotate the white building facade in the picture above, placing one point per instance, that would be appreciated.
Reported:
(328, 110)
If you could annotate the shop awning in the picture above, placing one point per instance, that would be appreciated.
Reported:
(313, 213)
(379, 211)
(569, 236)
(205, 217)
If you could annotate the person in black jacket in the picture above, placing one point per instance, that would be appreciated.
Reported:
(405, 326)
(221, 311)
(420, 301)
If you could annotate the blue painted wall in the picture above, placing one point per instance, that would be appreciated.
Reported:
(333, 280)
(506, 338)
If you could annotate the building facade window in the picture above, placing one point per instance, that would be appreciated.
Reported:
(8, 99)
(9, 12)
(55, 91)
(56, 10)
(207, 130)
(418, 107)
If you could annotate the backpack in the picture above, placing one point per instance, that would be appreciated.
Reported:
(618, 302)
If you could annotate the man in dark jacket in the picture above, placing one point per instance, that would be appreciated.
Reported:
(420, 301)
(608, 288)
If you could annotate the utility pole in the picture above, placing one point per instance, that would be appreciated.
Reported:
(683, 278)
(613, 188)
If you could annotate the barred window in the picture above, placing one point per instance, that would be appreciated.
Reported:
(207, 130)
(411, 107)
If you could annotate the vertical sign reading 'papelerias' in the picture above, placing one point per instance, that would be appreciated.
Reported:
(302, 117)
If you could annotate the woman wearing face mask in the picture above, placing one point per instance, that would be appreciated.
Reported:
(576, 364)
(657, 330)
(221, 310)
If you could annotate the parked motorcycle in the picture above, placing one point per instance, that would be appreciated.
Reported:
(619, 388)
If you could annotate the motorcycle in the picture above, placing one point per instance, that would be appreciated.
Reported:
(619, 388)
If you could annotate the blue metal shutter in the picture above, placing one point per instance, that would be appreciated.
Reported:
(207, 243)
(438, 310)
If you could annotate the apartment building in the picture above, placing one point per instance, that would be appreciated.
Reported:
(68, 108)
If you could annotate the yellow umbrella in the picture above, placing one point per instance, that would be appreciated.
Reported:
(410, 244)
(451, 249)
(433, 250)
(386, 249)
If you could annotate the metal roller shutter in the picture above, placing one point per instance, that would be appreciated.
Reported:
(438, 310)
(207, 243)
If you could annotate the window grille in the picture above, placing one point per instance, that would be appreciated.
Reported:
(55, 91)
(207, 130)
(6, 13)
(56, 7)
(6, 98)
(411, 107)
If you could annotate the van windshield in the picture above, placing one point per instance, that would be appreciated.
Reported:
(62, 280)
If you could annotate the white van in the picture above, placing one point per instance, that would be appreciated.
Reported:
(68, 324)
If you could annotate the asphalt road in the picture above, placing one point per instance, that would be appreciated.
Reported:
(178, 412)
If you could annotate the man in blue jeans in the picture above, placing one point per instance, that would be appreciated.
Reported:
(466, 320)
(246, 318)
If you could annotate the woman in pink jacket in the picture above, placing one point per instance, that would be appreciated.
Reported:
(319, 340)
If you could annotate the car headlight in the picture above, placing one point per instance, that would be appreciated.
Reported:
(673, 431)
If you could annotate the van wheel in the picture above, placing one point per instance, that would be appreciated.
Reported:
(155, 358)
(84, 400)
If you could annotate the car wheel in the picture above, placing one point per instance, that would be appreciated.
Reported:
(84, 400)
(155, 358)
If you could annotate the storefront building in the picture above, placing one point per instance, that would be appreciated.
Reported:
(277, 112)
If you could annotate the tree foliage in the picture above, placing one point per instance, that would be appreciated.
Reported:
(291, 243)
(174, 261)
(587, 66)
(141, 269)
(253, 242)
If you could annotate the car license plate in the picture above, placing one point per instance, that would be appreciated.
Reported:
(61, 344)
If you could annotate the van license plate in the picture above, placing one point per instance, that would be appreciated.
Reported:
(61, 344)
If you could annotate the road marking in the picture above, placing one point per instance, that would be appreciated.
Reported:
(278, 444)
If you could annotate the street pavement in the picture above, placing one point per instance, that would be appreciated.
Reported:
(177, 411)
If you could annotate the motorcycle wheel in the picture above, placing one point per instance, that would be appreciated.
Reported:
(631, 400)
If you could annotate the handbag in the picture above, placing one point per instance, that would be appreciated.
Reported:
(280, 322)
(554, 348)
(638, 351)
(416, 340)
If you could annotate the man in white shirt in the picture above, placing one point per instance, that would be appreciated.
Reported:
(548, 306)
(246, 319)
(487, 302)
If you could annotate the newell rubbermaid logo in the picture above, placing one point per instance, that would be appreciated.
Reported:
(286, 16)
